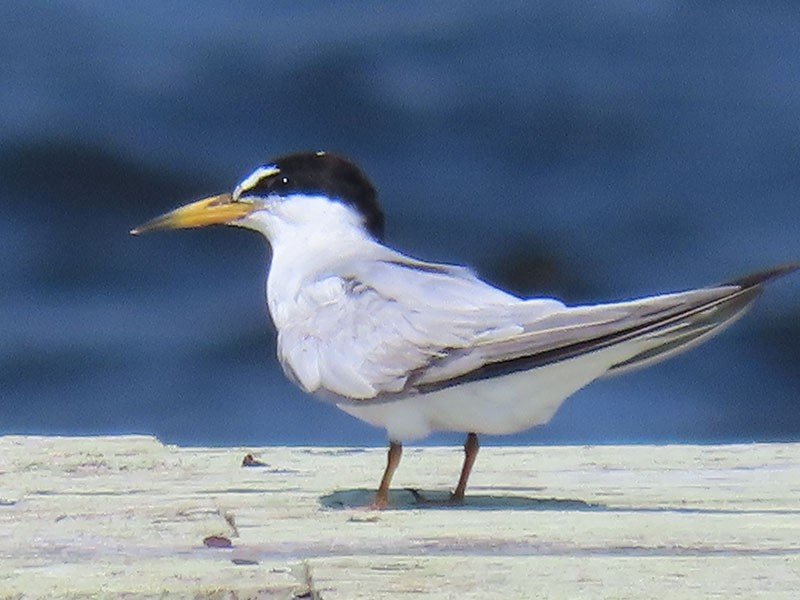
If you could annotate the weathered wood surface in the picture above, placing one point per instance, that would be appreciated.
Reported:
(127, 516)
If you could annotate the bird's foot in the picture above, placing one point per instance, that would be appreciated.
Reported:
(452, 500)
(379, 502)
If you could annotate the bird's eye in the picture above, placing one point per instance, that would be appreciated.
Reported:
(284, 181)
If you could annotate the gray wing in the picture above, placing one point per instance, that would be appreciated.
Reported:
(398, 326)
(651, 329)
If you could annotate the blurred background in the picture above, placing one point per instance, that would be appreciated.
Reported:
(593, 151)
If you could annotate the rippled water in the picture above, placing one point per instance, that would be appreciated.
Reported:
(593, 152)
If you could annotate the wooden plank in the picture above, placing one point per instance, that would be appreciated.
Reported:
(116, 516)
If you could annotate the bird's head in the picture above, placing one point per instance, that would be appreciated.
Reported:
(307, 190)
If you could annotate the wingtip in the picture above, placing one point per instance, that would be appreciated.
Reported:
(762, 277)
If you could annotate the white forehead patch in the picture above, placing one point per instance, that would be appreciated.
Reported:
(249, 182)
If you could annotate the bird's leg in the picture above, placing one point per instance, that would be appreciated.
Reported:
(393, 459)
(471, 447)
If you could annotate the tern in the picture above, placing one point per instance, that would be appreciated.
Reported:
(416, 347)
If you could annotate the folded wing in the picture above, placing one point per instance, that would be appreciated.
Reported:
(395, 327)
(652, 329)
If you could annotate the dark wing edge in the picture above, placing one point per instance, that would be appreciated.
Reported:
(705, 321)
(762, 277)
(673, 334)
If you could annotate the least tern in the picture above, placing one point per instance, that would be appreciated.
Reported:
(416, 347)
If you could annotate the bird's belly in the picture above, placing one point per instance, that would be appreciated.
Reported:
(500, 405)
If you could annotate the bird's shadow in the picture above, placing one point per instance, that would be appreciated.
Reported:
(411, 499)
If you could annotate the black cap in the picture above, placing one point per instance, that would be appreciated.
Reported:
(322, 173)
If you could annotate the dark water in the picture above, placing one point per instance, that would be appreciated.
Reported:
(593, 151)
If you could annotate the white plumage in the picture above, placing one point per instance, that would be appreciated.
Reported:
(416, 347)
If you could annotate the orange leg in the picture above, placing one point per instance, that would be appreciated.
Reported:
(393, 459)
(471, 447)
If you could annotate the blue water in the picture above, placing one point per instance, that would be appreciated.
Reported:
(592, 151)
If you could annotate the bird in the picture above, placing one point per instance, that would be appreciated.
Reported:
(416, 347)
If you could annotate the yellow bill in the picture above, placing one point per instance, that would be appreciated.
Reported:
(208, 211)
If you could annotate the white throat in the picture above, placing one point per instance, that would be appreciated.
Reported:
(309, 236)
